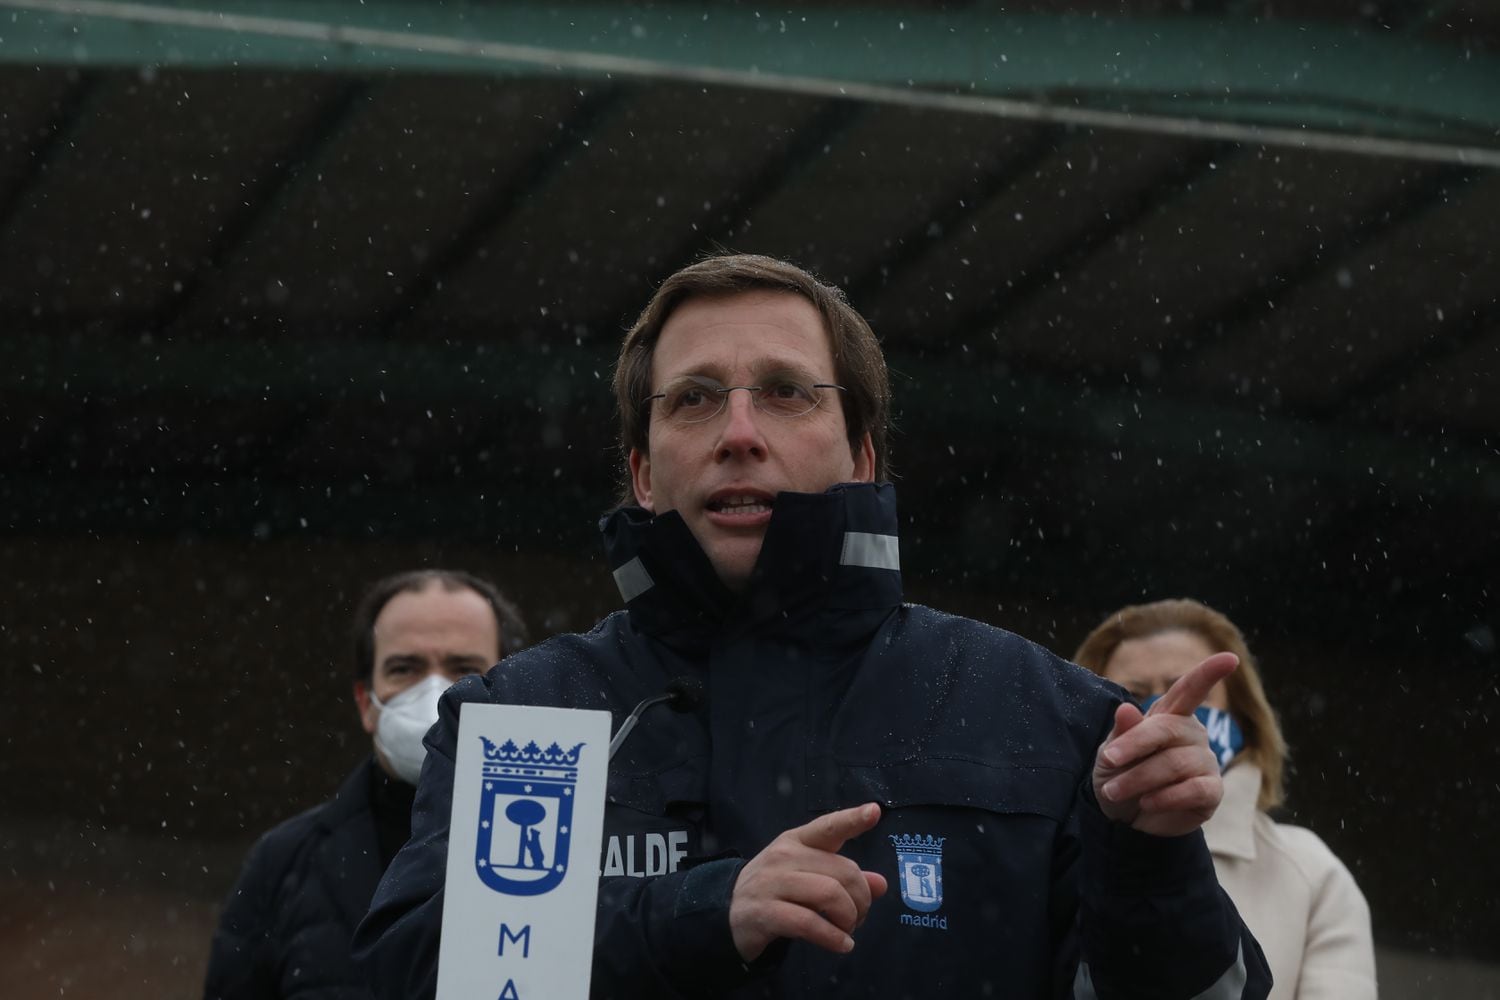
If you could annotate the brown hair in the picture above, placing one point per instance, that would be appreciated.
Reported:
(508, 620)
(858, 362)
(1264, 744)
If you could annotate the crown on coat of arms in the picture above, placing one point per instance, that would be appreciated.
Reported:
(509, 753)
(924, 844)
(530, 761)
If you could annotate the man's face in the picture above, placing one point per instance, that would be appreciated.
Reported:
(449, 633)
(723, 474)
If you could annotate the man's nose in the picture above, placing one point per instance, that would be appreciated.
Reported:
(741, 434)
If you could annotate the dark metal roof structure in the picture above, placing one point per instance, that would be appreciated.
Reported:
(224, 219)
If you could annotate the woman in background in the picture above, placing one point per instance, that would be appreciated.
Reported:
(1296, 897)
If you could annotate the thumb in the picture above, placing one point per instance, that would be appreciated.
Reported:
(1127, 717)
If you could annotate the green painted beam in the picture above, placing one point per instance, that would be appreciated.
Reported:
(1229, 69)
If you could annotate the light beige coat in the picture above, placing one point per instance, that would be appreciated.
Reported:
(1296, 897)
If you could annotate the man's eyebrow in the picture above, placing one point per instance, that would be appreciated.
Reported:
(769, 368)
(709, 373)
(775, 369)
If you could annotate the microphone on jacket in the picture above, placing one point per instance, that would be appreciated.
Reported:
(683, 694)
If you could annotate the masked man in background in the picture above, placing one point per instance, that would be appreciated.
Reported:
(287, 925)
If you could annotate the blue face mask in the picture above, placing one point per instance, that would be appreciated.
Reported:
(1225, 738)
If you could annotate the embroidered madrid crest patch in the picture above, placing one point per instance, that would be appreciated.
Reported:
(919, 863)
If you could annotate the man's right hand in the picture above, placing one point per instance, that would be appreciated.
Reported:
(801, 887)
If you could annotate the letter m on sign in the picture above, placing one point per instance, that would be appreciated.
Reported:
(523, 939)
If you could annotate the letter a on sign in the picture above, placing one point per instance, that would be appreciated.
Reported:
(523, 851)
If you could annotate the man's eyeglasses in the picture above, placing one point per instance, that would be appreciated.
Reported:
(693, 399)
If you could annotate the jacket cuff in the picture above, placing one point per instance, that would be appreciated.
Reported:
(704, 959)
(1121, 861)
(1155, 923)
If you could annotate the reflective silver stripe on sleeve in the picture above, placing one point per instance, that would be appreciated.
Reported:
(1230, 986)
(872, 551)
(1083, 984)
(633, 580)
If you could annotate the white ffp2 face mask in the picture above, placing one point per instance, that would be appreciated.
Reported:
(403, 721)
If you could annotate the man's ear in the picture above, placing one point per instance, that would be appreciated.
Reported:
(368, 713)
(864, 460)
(640, 478)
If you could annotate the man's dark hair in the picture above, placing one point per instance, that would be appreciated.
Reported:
(507, 616)
(858, 362)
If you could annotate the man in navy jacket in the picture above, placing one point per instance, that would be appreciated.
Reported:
(868, 798)
(286, 929)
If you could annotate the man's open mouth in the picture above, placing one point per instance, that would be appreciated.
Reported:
(740, 505)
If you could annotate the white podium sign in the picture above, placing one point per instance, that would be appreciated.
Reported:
(523, 853)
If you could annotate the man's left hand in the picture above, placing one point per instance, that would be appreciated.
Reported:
(1155, 771)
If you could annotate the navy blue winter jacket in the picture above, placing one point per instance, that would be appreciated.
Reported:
(823, 691)
(287, 926)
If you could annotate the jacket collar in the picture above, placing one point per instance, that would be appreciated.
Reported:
(823, 551)
(352, 800)
(349, 857)
(1231, 829)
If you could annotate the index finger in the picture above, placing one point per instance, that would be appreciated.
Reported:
(829, 831)
(1184, 697)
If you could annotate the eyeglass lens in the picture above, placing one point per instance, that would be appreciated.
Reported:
(696, 398)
